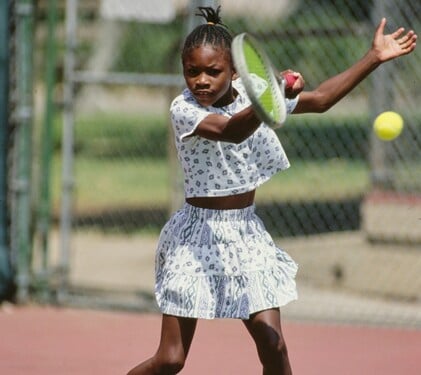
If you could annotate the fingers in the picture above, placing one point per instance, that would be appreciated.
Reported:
(408, 42)
(289, 80)
(404, 39)
(291, 77)
(408, 38)
(395, 35)
(380, 27)
(287, 71)
(294, 84)
(398, 33)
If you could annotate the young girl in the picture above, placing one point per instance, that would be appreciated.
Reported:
(215, 259)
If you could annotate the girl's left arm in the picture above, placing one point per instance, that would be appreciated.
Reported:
(384, 48)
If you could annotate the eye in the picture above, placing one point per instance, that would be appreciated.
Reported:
(213, 72)
(192, 72)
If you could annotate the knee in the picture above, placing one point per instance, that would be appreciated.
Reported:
(274, 350)
(170, 363)
(170, 367)
(161, 364)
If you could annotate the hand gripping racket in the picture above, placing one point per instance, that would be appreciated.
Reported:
(264, 89)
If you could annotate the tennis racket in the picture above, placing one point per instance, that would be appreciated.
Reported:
(265, 90)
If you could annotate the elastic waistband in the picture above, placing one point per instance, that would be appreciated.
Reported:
(230, 214)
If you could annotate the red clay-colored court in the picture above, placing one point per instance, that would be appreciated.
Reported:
(46, 340)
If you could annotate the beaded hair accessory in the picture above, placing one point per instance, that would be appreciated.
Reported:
(211, 15)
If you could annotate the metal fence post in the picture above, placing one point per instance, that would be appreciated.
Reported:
(23, 147)
(382, 98)
(68, 141)
(44, 198)
(6, 274)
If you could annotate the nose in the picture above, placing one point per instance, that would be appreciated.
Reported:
(202, 79)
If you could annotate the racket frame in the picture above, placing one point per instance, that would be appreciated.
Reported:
(276, 85)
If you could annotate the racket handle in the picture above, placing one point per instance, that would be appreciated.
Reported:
(289, 80)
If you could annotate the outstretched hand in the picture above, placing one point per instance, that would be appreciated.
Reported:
(390, 46)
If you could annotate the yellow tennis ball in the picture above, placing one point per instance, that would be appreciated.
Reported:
(388, 125)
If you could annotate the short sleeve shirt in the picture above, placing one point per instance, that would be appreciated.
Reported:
(216, 168)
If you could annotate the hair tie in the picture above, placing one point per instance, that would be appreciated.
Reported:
(211, 23)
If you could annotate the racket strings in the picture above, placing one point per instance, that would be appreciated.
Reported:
(258, 67)
(262, 86)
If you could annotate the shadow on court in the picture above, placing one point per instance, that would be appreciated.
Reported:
(47, 340)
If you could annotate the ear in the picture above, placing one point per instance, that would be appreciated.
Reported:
(234, 75)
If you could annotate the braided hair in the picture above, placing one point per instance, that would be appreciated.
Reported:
(214, 32)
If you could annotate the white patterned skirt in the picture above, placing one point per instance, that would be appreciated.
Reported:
(220, 264)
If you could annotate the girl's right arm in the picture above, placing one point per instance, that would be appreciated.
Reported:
(233, 129)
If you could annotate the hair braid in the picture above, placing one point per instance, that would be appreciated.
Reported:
(214, 32)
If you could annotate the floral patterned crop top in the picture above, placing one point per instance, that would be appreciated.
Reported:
(216, 168)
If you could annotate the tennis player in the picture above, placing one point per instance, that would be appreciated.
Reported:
(215, 258)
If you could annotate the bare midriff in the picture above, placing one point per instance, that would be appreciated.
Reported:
(228, 202)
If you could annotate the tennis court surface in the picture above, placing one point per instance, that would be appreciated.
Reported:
(48, 340)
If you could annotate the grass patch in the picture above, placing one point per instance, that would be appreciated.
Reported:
(334, 179)
(104, 184)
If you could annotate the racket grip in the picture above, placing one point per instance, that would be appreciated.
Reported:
(289, 80)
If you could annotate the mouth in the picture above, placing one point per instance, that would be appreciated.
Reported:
(202, 94)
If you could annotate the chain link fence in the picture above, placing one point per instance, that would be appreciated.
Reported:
(114, 170)
(121, 119)
(7, 80)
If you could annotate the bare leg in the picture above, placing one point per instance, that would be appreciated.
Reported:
(176, 337)
(265, 328)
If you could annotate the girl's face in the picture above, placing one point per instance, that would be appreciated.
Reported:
(208, 72)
